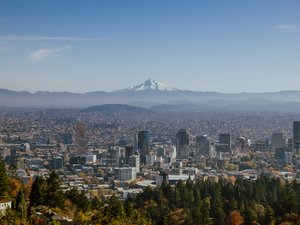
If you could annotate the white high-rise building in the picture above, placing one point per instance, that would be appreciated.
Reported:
(125, 173)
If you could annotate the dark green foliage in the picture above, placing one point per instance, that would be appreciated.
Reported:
(263, 201)
(217, 207)
(21, 205)
(113, 212)
(54, 197)
(38, 192)
(96, 204)
(79, 199)
(4, 187)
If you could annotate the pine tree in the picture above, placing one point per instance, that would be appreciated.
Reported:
(217, 207)
(269, 218)
(4, 185)
(38, 192)
(54, 196)
(21, 206)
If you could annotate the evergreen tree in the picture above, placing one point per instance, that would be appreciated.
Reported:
(4, 185)
(269, 218)
(96, 203)
(217, 208)
(79, 199)
(38, 192)
(21, 206)
(54, 196)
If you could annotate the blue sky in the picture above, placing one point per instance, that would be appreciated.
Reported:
(88, 45)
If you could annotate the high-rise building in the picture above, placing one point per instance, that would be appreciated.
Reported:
(134, 161)
(56, 163)
(277, 141)
(241, 145)
(115, 154)
(143, 144)
(225, 139)
(80, 131)
(262, 145)
(202, 145)
(283, 156)
(296, 136)
(129, 151)
(182, 144)
(125, 173)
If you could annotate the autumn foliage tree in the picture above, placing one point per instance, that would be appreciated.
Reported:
(235, 218)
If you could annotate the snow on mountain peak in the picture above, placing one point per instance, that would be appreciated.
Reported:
(151, 85)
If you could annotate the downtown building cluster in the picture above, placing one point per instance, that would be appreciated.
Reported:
(105, 157)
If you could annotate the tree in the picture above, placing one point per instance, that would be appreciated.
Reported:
(96, 203)
(14, 187)
(269, 218)
(38, 192)
(4, 185)
(177, 217)
(9, 218)
(79, 199)
(217, 208)
(12, 170)
(21, 206)
(235, 218)
(54, 196)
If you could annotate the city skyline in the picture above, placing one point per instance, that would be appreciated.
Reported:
(81, 46)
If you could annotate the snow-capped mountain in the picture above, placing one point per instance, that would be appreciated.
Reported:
(151, 85)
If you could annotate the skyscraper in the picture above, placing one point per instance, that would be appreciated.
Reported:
(182, 144)
(277, 141)
(143, 144)
(202, 145)
(134, 161)
(129, 151)
(80, 131)
(296, 136)
(225, 139)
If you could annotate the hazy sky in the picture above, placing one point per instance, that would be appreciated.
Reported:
(212, 45)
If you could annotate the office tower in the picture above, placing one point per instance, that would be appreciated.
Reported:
(296, 136)
(125, 173)
(277, 141)
(115, 154)
(262, 145)
(134, 161)
(143, 144)
(129, 151)
(283, 156)
(225, 140)
(288, 158)
(56, 163)
(202, 145)
(80, 131)
(241, 145)
(182, 144)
